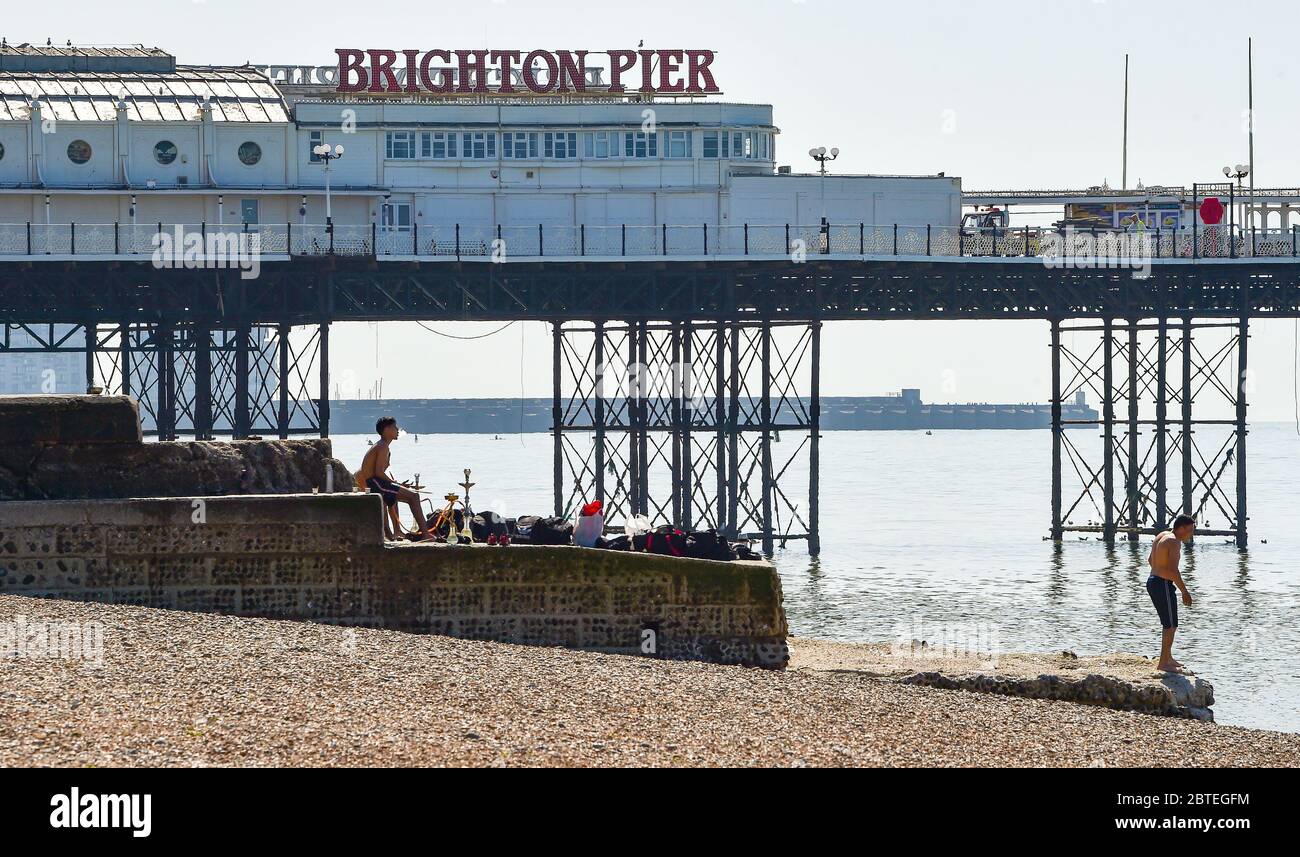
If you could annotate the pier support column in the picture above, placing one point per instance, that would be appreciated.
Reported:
(1057, 523)
(1243, 338)
(1133, 480)
(206, 378)
(242, 418)
(765, 399)
(202, 338)
(1187, 464)
(642, 439)
(683, 404)
(1210, 450)
(720, 411)
(557, 418)
(1162, 428)
(600, 380)
(92, 342)
(814, 450)
(717, 427)
(282, 409)
(1108, 430)
(124, 358)
(325, 303)
(165, 369)
(733, 438)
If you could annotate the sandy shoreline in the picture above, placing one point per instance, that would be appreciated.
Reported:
(196, 689)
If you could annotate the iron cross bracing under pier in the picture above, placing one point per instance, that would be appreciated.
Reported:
(700, 424)
(1173, 395)
(196, 379)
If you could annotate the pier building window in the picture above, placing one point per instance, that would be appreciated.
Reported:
(558, 144)
(600, 144)
(2, 151)
(750, 144)
(638, 144)
(79, 151)
(678, 144)
(519, 144)
(717, 144)
(395, 217)
(399, 145)
(478, 145)
(314, 139)
(437, 144)
(164, 152)
(250, 153)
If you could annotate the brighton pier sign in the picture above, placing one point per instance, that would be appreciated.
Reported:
(656, 72)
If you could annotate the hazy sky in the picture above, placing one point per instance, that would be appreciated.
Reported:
(1006, 94)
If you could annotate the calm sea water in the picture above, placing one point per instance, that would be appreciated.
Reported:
(946, 530)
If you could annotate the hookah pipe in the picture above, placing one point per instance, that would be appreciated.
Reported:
(466, 512)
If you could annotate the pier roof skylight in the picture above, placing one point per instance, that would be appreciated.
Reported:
(237, 94)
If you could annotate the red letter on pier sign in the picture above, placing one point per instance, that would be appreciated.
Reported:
(412, 71)
(647, 70)
(552, 71)
(701, 79)
(573, 69)
(426, 79)
(382, 78)
(507, 61)
(472, 64)
(619, 62)
(351, 60)
(668, 66)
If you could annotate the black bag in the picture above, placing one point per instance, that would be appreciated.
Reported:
(665, 540)
(745, 552)
(521, 529)
(486, 524)
(551, 531)
(618, 543)
(456, 523)
(707, 544)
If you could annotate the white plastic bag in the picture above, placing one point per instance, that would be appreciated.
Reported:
(637, 525)
(588, 529)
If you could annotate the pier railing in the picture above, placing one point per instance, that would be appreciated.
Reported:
(509, 243)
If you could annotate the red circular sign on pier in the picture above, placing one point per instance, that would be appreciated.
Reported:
(1212, 211)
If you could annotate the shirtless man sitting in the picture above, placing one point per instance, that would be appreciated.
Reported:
(373, 477)
(1164, 577)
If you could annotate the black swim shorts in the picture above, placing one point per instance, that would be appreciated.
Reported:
(1165, 596)
(385, 488)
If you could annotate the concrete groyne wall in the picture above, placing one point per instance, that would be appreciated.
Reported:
(89, 512)
(321, 558)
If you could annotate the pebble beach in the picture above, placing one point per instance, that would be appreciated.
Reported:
(189, 689)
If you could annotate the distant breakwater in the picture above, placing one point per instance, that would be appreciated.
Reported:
(533, 416)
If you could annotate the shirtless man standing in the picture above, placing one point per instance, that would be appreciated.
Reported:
(373, 477)
(1160, 585)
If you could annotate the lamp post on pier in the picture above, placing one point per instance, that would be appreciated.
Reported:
(1238, 172)
(822, 157)
(329, 154)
